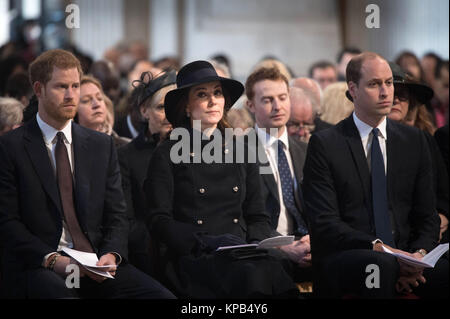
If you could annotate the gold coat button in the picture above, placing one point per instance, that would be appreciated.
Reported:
(226, 151)
(235, 220)
(201, 190)
(235, 189)
(200, 222)
(192, 154)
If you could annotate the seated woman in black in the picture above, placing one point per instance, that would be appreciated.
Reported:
(148, 96)
(197, 205)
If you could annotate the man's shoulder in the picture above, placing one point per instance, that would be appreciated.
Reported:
(299, 145)
(14, 137)
(403, 132)
(98, 137)
(338, 131)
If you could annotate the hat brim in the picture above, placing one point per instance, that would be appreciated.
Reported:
(422, 92)
(232, 87)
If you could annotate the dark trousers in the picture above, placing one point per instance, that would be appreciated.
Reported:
(129, 283)
(346, 274)
(436, 285)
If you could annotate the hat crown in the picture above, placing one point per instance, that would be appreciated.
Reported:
(195, 72)
(397, 73)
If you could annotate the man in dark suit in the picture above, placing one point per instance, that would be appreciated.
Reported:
(368, 184)
(60, 187)
(268, 98)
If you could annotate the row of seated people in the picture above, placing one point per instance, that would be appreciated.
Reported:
(192, 207)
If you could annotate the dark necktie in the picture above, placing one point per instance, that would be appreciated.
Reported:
(287, 187)
(65, 185)
(379, 193)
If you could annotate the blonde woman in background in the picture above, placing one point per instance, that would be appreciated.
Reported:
(96, 110)
(11, 114)
(335, 104)
(240, 118)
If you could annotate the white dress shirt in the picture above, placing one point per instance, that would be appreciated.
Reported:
(285, 223)
(49, 135)
(365, 132)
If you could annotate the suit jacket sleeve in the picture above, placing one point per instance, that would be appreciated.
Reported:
(126, 180)
(257, 219)
(424, 220)
(13, 233)
(159, 189)
(115, 222)
(329, 233)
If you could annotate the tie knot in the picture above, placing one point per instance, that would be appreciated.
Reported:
(60, 137)
(375, 131)
(280, 145)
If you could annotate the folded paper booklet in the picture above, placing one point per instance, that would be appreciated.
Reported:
(266, 243)
(428, 261)
(88, 261)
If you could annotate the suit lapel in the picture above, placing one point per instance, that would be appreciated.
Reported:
(38, 153)
(82, 171)
(393, 150)
(297, 157)
(359, 157)
(269, 179)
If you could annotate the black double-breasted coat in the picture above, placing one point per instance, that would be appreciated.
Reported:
(214, 198)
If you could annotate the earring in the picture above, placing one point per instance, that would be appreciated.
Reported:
(188, 114)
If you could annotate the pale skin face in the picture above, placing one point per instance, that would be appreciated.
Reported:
(324, 76)
(374, 94)
(271, 105)
(401, 103)
(206, 103)
(301, 120)
(157, 121)
(58, 99)
(92, 110)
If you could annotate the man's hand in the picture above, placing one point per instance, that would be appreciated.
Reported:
(444, 225)
(108, 259)
(61, 263)
(405, 269)
(299, 251)
(405, 284)
(410, 276)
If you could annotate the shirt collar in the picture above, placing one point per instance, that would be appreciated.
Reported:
(365, 129)
(268, 140)
(49, 132)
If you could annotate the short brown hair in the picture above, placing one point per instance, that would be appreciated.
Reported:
(262, 74)
(353, 71)
(41, 68)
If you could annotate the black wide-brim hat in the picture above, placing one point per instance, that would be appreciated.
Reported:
(195, 73)
(423, 92)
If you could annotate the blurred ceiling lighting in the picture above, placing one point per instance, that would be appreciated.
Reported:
(31, 9)
(4, 22)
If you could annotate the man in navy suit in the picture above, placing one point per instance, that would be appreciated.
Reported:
(368, 184)
(268, 98)
(60, 187)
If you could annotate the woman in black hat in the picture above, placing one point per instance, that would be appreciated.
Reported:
(409, 97)
(196, 206)
(148, 96)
